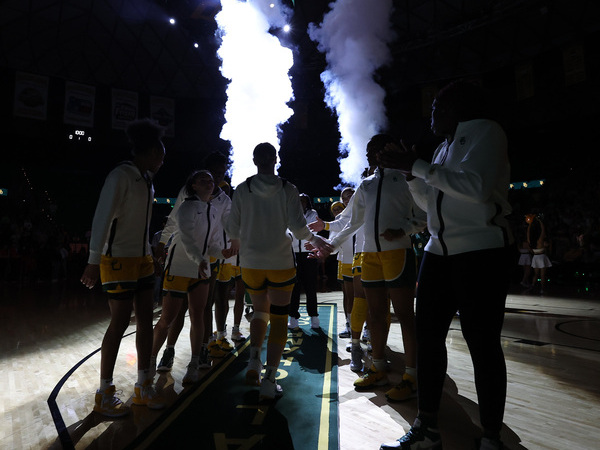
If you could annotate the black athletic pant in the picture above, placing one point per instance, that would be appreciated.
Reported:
(307, 274)
(475, 284)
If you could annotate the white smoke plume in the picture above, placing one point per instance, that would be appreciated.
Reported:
(260, 88)
(354, 35)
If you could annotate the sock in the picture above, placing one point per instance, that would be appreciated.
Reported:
(355, 342)
(142, 376)
(105, 383)
(221, 334)
(379, 364)
(270, 373)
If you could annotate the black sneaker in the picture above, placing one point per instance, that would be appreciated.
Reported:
(166, 362)
(347, 333)
(204, 361)
(490, 444)
(417, 438)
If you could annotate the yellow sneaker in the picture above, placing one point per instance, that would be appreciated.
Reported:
(406, 390)
(371, 379)
(224, 344)
(108, 404)
(144, 394)
(214, 351)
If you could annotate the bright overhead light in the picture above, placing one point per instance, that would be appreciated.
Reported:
(196, 45)
(272, 5)
(172, 21)
(287, 28)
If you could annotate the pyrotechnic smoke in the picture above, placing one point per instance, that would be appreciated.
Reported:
(354, 35)
(257, 66)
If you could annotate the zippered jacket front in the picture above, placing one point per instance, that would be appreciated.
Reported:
(382, 201)
(121, 223)
(465, 190)
(196, 239)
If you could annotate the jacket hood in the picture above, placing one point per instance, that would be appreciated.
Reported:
(265, 185)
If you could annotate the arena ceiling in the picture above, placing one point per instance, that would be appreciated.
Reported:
(130, 44)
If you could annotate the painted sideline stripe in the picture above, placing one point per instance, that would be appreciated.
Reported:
(326, 398)
(189, 399)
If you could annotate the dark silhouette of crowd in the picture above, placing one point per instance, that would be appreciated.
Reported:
(568, 208)
(35, 250)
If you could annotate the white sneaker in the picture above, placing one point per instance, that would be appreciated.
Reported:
(269, 390)
(314, 322)
(293, 323)
(192, 375)
(253, 371)
(349, 347)
(356, 360)
(144, 394)
(236, 335)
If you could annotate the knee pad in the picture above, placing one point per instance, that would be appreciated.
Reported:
(280, 310)
(259, 315)
(360, 309)
(278, 332)
(123, 295)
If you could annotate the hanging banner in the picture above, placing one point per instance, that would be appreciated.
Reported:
(124, 108)
(31, 96)
(79, 104)
(163, 111)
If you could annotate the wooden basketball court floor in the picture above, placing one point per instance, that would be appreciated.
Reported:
(551, 343)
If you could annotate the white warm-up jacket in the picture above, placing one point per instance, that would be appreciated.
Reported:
(220, 202)
(465, 190)
(383, 201)
(346, 250)
(196, 238)
(264, 207)
(122, 219)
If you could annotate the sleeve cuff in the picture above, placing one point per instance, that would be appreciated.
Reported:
(420, 168)
(94, 257)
